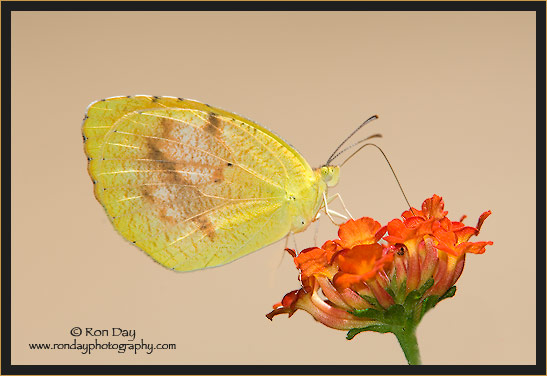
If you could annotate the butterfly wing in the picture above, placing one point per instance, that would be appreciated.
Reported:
(191, 185)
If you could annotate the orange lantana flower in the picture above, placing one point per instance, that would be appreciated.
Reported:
(373, 282)
(342, 269)
(433, 245)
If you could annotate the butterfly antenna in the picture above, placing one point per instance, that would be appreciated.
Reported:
(389, 164)
(377, 135)
(373, 117)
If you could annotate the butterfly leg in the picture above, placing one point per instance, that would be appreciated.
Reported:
(275, 269)
(286, 249)
(330, 212)
(331, 198)
(287, 242)
(316, 233)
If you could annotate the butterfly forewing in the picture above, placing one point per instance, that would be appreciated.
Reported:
(191, 185)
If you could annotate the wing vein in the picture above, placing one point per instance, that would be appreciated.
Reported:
(248, 239)
(255, 138)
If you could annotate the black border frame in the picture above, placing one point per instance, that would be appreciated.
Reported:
(7, 7)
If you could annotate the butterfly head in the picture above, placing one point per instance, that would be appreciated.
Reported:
(330, 175)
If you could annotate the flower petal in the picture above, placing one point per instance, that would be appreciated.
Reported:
(470, 247)
(361, 231)
(482, 218)
(314, 261)
(434, 207)
(360, 259)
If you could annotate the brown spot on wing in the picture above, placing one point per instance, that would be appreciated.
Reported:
(168, 125)
(163, 162)
(214, 125)
(167, 218)
(218, 175)
(205, 225)
(180, 202)
(147, 193)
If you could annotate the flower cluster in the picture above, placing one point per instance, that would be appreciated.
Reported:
(383, 278)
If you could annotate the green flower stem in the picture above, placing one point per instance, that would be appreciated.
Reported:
(400, 318)
(409, 344)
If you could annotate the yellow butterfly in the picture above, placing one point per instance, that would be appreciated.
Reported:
(195, 186)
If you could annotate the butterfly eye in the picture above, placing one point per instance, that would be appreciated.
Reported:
(330, 175)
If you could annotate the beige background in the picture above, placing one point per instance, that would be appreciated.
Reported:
(455, 95)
